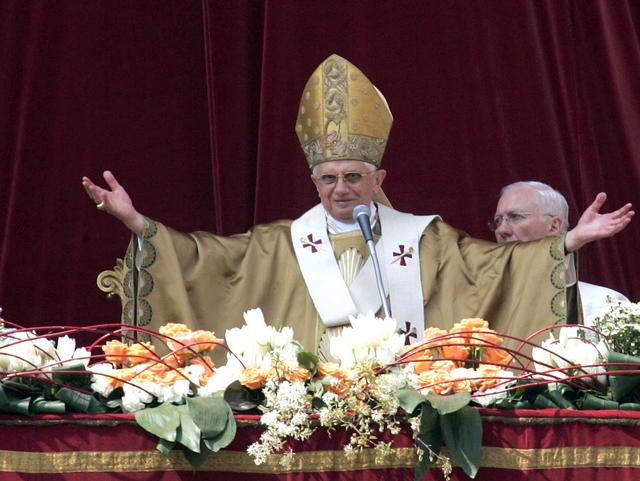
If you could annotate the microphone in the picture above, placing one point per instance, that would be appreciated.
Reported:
(362, 214)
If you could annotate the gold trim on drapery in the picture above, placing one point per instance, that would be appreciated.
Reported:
(316, 461)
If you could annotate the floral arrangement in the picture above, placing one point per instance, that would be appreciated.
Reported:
(619, 324)
(372, 383)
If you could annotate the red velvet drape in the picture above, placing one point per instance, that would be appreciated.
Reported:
(193, 106)
(85, 87)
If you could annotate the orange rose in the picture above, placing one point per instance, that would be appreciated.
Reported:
(472, 324)
(205, 361)
(275, 372)
(204, 378)
(203, 341)
(433, 333)
(420, 358)
(486, 336)
(176, 334)
(462, 385)
(301, 374)
(253, 378)
(174, 330)
(168, 377)
(415, 352)
(140, 352)
(496, 356)
(440, 382)
(175, 359)
(146, 376)
(156, 367)
(330, 369)
(338, 387)
(442, 365)
(125, 374)
(115, 351)
(487, 379)
(455, 352)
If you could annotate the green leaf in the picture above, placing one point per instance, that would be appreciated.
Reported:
(195, 459)
(225, 438)
(20, 389)
(308, 360)
(4, 400)
(543, 402)
(410, 399)
(559, 399)
(163, 421)
(16, 402)
(591, 402)
(239, 398)
(188, 433)
(429, 438)
(623, 384)
(165, 447)
(462, 433)
(77, 401)
(210, 414)
(43, 406)
(449, 404)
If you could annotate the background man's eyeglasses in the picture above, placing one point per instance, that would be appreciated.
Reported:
(351, 178)
(512, 218)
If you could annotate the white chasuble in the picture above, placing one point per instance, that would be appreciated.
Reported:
(398, 254)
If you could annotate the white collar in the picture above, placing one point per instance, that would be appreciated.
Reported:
(338, 227)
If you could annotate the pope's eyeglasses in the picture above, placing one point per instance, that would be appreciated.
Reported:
(351, 178)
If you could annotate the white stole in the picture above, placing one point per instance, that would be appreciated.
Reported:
(399, 257)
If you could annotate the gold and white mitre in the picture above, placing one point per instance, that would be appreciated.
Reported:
(342, 115)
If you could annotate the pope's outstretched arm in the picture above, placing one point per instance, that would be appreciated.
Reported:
(115, 201)
(593, 225)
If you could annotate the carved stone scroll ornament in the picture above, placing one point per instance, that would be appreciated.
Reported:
(112, 282)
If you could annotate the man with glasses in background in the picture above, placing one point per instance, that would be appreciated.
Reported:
(530, 210)
(314, 272)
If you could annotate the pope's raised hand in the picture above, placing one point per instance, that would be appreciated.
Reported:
(115, 201)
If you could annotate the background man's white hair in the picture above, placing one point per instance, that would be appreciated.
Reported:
(550, 201)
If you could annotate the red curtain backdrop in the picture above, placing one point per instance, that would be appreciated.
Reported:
(192, 105)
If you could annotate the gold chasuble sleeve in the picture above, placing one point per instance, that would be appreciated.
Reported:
(518, 287)
(207, 281)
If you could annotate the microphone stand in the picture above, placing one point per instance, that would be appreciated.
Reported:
(362, 214)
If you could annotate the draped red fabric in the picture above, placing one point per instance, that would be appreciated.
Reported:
(90, 86)
(192, 106)
(547, 444)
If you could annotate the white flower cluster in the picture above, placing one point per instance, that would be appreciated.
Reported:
(620, 322)
(367, 409)
(369, 339)
(253, 342)
(286, 406)
(22, 351)
(255, 345)
(571, 354)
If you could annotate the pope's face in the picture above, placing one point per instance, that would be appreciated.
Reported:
(340, 198)
(521, 219)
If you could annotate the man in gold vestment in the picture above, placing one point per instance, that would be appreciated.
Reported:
(314, 272)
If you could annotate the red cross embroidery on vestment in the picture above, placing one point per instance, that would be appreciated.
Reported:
(309, 242)
(402, 255)
(408, 333)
